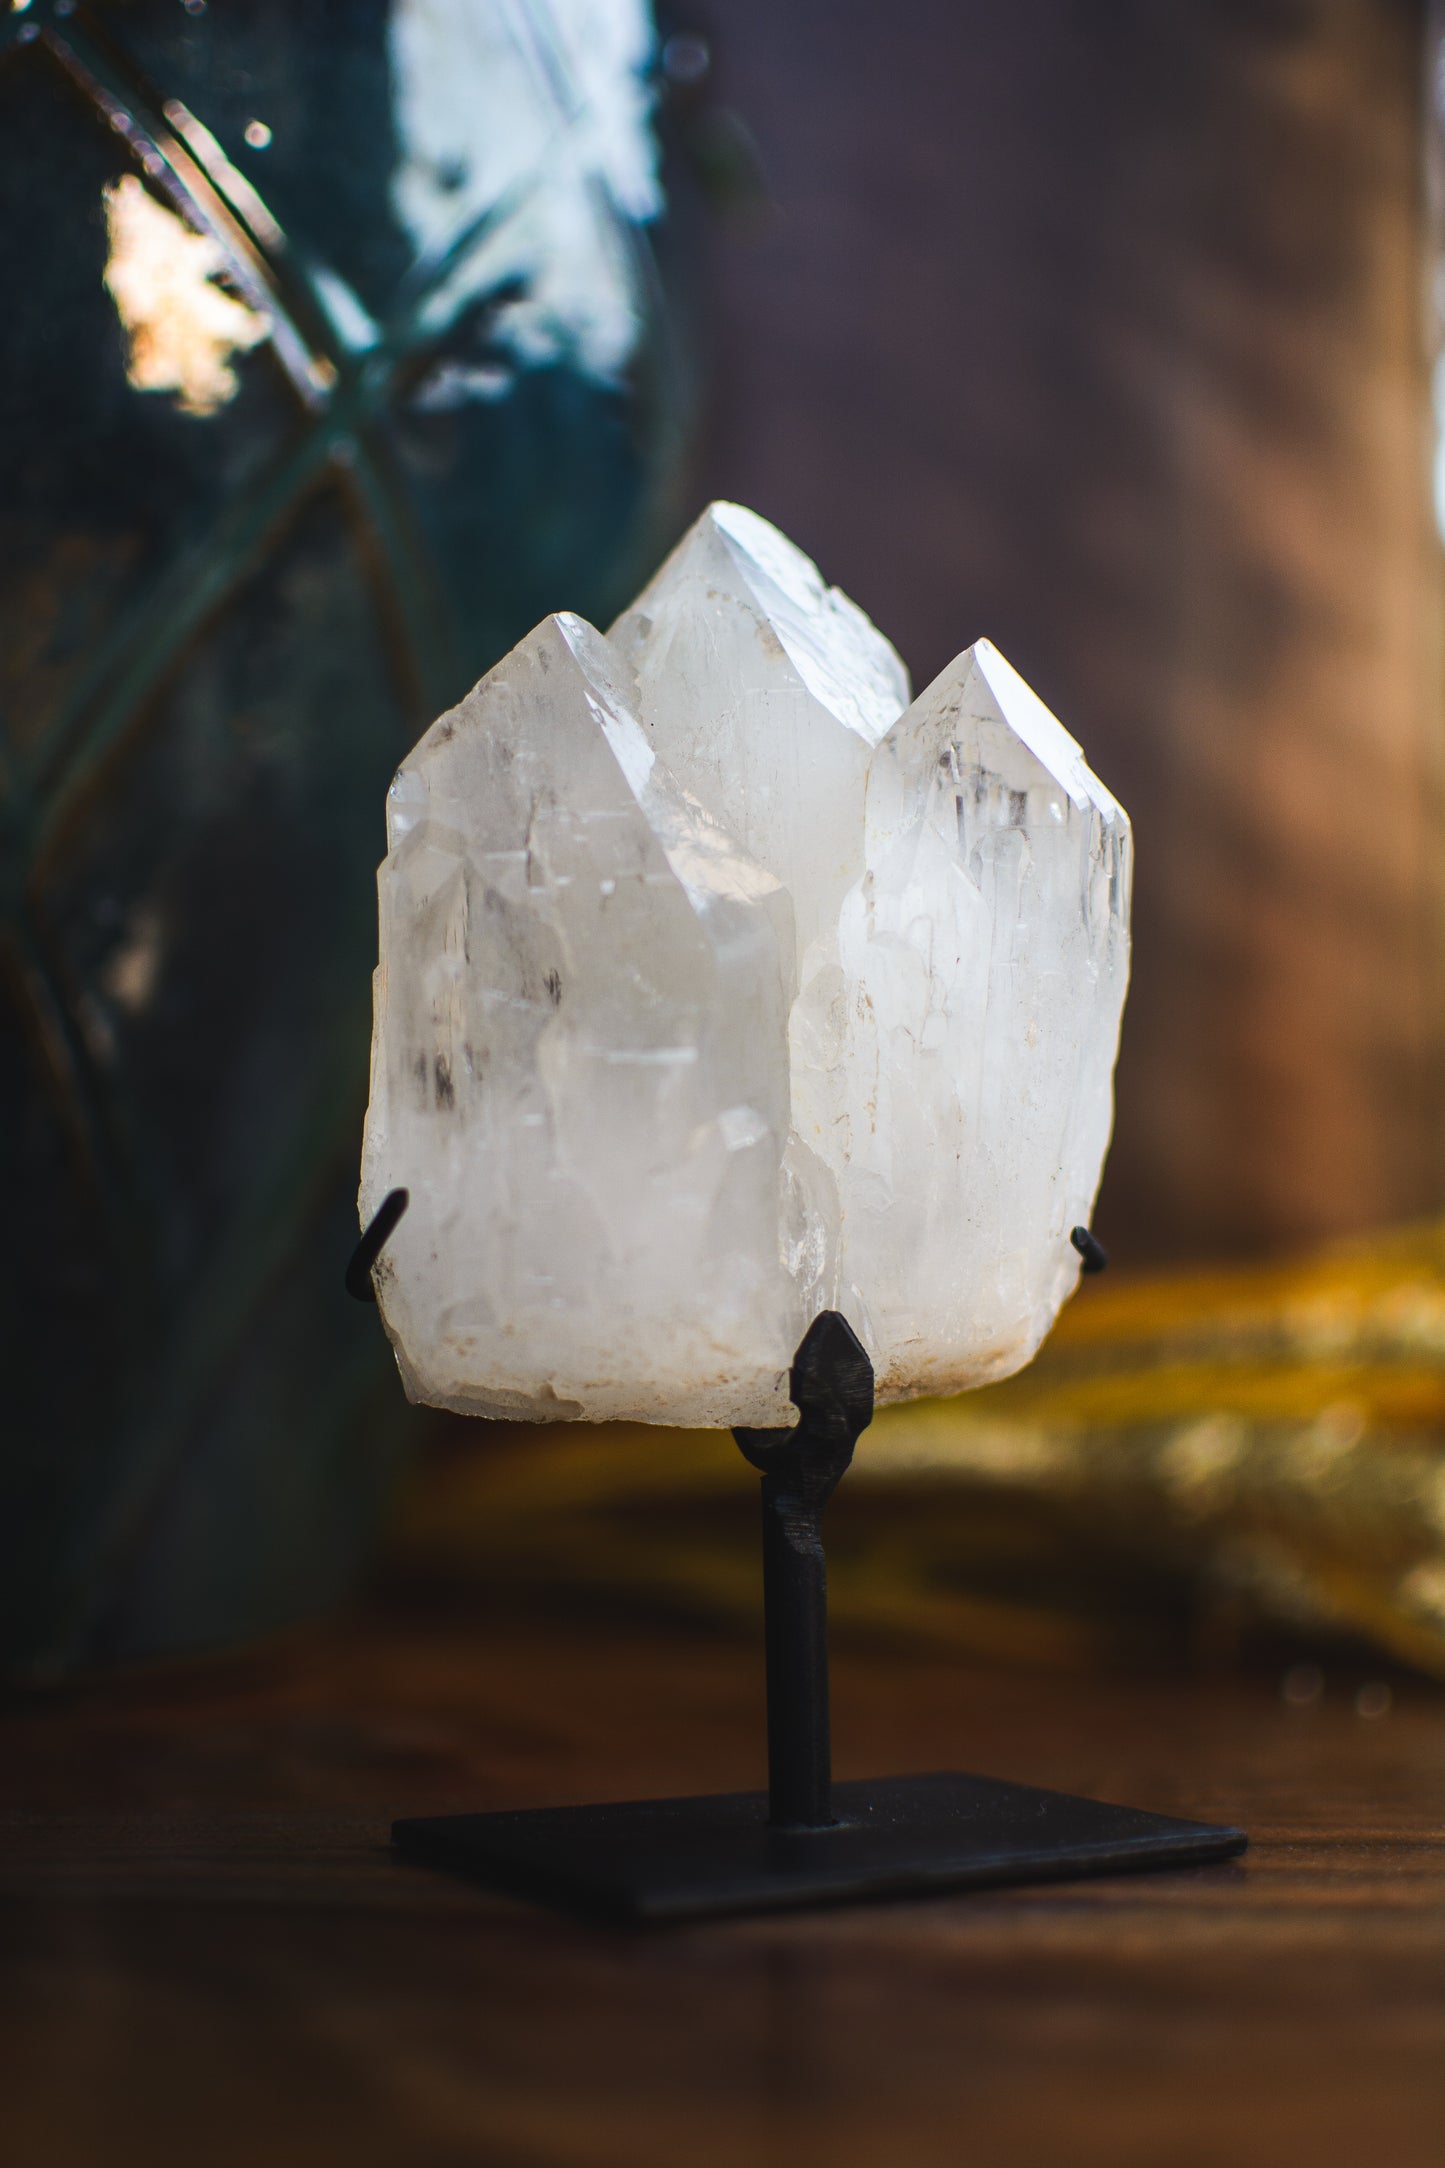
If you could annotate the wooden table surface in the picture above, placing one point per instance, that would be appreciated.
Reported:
(210, 1956)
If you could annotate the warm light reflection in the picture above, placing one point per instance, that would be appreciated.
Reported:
(181, 328)
(133, 972)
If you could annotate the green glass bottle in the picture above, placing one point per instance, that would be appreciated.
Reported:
(332, 359)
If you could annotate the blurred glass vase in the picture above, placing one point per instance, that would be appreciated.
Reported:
(333, 357)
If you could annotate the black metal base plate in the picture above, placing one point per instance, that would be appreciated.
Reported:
(674, 1859)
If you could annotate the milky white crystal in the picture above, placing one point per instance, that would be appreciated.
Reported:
(765, 692)
(719, 985)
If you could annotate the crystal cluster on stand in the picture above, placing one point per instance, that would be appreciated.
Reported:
(721, 984)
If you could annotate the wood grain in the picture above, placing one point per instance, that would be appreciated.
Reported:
(209, 1953)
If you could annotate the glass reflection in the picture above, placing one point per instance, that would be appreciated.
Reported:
(541, 166)
(296, 437)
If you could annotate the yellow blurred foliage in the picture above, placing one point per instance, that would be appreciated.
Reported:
(1190, 1456)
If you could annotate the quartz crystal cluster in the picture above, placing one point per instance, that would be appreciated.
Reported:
(721, 984)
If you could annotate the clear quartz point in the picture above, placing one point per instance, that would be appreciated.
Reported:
(765, 692)
(719, 986)
(956, 1073)
(579, 1068)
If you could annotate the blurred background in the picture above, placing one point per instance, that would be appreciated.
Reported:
(341, 344)
(1104, 331)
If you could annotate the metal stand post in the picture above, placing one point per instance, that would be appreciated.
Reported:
(832, 1388)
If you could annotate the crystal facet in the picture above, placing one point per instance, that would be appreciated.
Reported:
(765, 692)
(719, 986)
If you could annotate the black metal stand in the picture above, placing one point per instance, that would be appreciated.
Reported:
(803, 1841)
(831, 1386)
